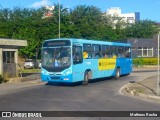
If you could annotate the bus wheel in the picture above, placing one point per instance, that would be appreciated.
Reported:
(117, 73)
(86, 78)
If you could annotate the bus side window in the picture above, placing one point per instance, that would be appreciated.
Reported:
(77, 55)
(96, 51)
(113, 50)
(127, 52)
(87, 52)
(121, 53)
(106, 51)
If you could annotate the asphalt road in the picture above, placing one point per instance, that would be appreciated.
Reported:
(103, 95)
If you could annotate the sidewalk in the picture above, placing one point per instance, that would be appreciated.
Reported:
(145, 68)
(146, 89)
(16, 84)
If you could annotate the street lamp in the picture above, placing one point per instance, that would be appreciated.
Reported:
(158, 68)
(59, 20)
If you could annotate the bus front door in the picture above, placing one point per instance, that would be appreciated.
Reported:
(77, 63)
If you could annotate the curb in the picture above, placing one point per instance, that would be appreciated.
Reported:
(133, 92)
(23, 79)
(17, 79)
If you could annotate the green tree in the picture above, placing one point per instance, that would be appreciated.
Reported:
(83, 21)
(142, 29)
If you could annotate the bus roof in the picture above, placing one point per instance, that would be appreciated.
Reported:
(73, 40)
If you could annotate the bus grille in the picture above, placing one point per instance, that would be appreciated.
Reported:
(55, 78)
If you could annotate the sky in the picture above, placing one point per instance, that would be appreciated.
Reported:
(149, 9)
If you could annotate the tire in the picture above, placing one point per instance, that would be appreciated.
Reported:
(117, 75)
(86, 78)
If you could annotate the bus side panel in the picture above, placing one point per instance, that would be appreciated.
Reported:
(94, 68)
(129, 65)
(107, 67)
(101, 68)
(77, 72)
(125, 65)
(88, 64)
(106, 73)
(97, 71)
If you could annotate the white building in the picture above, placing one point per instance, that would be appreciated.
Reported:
(49, 11)
(127, 17)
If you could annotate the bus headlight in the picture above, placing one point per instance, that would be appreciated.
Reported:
(67, 72)
(44, 72)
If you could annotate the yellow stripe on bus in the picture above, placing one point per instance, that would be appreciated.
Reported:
(107, 64)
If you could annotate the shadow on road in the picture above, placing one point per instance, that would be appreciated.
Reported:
(80, 83)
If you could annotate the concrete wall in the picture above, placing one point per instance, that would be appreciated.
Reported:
(1, 62)
(12, 42)
(10, 45)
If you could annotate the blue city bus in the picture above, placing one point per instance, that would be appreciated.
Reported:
(74, 60)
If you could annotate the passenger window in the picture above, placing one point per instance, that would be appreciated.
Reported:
(96, 50)
(113, 50)
(87, 51)
(106, 51)
(127, 52)
(77, 55)
(121, 53)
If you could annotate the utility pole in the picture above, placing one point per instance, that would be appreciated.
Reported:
(36, 64)
(158, 68)
(59, 20)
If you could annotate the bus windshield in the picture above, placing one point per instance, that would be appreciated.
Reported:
(54, 58)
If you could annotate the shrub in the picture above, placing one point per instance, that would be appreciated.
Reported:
(2, 79)
(145, 61)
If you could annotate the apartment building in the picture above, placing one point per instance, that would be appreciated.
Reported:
(126, 17)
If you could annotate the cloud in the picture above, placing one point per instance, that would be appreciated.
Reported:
(40, 3)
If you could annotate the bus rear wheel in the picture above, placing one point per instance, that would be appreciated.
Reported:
(117, 75)
(86, 78)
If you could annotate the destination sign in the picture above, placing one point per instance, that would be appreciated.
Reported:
(56, 43)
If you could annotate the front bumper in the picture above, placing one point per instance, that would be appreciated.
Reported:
(51, 78)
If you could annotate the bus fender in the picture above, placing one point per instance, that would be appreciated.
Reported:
(117, 72)
(89, 73)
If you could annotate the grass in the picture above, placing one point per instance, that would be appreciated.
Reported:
(140, 91)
